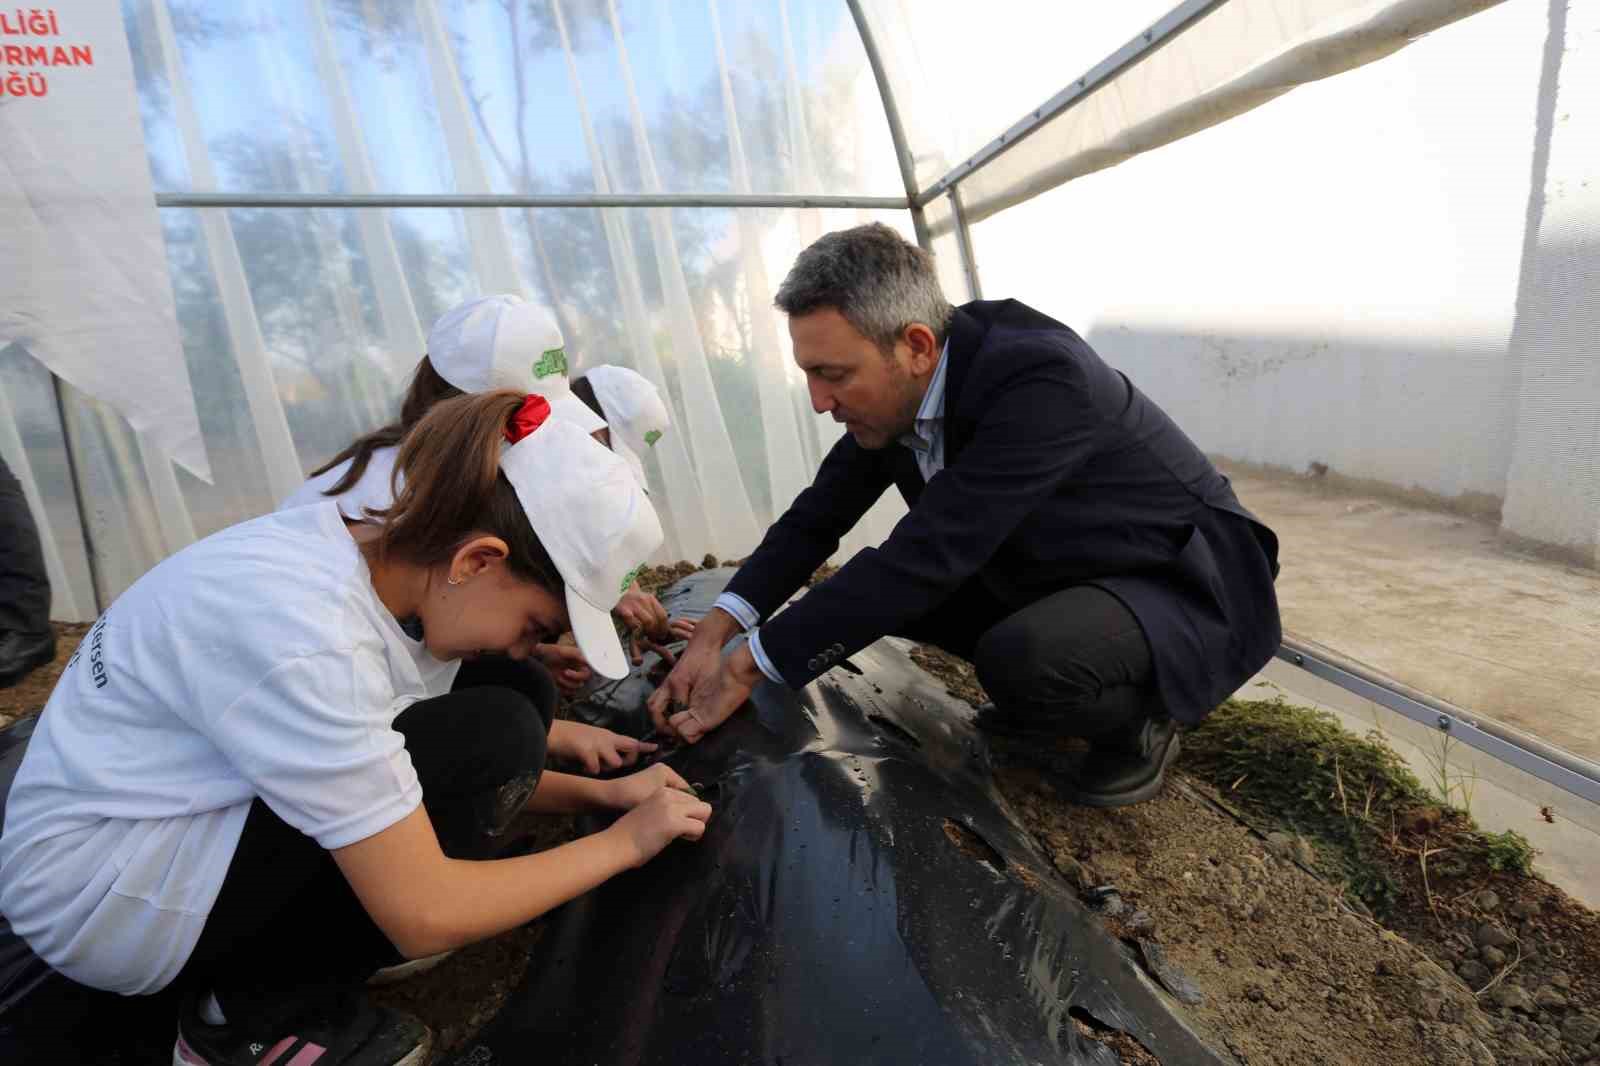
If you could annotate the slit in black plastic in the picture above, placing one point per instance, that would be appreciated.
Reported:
(969, 843)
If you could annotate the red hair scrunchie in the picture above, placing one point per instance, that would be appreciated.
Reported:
(527, 418)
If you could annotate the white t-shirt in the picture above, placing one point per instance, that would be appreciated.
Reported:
(256, 662)
(370, 490)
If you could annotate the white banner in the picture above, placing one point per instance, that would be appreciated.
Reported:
(83, 269)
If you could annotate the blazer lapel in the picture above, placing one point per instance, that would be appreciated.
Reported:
(966, 337)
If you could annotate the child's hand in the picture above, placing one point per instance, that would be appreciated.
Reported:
(628, 792)
(667, 815)
(566, 664)
(594, 747)
(641, 612)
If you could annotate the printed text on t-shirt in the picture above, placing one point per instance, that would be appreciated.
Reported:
(97, 664)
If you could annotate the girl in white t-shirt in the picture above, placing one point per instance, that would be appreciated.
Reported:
(502, 342)
(246, 786)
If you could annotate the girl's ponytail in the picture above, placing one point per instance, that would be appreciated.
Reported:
(450, 487)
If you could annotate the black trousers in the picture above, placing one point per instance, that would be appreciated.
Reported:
(24, 588)
(1073, 663)
(285, 915)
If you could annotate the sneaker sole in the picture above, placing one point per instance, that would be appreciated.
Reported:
(1146, 791)
(184, 1055)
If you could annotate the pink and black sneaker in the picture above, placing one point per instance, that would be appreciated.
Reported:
(326, 1029)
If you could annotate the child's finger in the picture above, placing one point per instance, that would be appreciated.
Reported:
(674, 779)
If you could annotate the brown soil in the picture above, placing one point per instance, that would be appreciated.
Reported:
(458, 996)
(1288, 969)
(29, 696)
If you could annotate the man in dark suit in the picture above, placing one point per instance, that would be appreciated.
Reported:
(1064, 534)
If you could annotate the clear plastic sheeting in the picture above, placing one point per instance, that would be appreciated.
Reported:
(960, 74)
(32, 446)
(1239, 56)
(860, 895)
(1380, 281)
(1382, 325)
(793, 61)
(300, 326)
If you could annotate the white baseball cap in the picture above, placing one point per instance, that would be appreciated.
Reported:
(504, 342)
(633, 409)
(593, 519)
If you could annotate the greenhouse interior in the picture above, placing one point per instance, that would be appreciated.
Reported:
(1351, 247)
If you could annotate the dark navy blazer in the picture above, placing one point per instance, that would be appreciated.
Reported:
(1057, 472)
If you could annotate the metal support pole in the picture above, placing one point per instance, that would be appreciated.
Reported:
(301, 200)
(78, 495)
(1164, 29)
(969, 258)
(897, 131)
(1533, 757)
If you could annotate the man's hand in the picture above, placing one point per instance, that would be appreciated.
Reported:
(716, 698)
(595, 748)
(626, 793)
(699, 661)
(566, 664)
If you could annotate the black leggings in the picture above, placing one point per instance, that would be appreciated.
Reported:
(285, 912)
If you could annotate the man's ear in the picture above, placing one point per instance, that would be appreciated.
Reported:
(923, 348)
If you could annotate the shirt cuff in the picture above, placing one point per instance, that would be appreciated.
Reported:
(760, 656)
(741, 610)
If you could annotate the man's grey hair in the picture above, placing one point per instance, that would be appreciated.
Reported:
(880, 282)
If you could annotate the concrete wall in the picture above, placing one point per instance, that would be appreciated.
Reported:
(1553, 483)
(1391, 273)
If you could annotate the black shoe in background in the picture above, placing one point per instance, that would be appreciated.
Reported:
(1126, 767)
(23, 653)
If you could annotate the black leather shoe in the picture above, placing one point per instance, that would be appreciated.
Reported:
(1128, 767)
(23, 653)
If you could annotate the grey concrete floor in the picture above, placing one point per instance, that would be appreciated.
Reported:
(1435, 600)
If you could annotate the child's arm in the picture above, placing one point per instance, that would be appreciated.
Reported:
(426, 902)
(597, 749)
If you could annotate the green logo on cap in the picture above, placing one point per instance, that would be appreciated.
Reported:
(651, 437)
(628, 580)
(553, 361)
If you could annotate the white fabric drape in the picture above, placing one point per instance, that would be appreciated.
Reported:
(299, 326)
